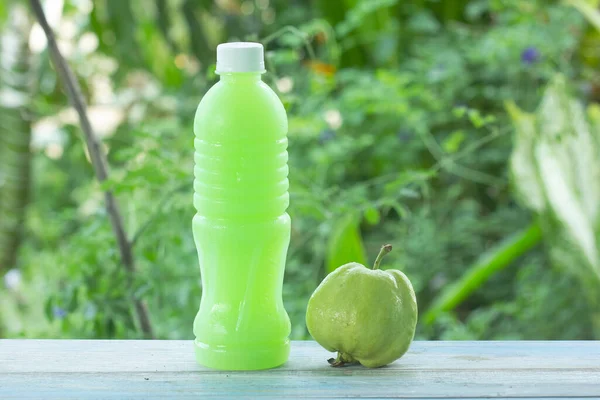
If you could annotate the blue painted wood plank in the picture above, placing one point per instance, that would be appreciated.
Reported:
(166, 369)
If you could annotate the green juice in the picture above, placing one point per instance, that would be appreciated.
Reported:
(241, 228)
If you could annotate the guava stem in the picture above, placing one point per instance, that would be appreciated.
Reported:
(386, 248)
(336, 362)
(341, 360)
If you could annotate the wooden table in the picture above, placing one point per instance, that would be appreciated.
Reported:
(118, 369)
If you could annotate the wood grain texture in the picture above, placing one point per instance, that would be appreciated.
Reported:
(82, 369)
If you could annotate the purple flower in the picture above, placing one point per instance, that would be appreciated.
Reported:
(405, 135)
(530, 55)
(326, 136)
(58, 312)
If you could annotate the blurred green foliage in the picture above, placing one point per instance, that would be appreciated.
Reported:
(398, 133)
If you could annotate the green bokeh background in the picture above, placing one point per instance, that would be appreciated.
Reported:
(398, 133)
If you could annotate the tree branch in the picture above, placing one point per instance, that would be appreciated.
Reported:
(97, 157)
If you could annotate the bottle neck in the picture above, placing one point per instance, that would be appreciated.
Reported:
(240, 77)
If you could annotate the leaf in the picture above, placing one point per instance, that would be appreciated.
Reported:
(459, 112)
(424, 22)
(110, 327)
(556, 170)
(593, 113)
(356, 16)
(524, 173)
(74, 299)
(452, 143)
(476, 119)
(588, 11)
(345, 244)
(488, 264)
(48, 308)
(3, 12)
(577, 158)
(372, 215)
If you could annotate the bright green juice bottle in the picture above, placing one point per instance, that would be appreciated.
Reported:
(241, 227)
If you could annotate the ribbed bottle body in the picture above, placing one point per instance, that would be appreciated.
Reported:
(241, 227)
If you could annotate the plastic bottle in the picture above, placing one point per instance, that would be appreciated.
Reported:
(241, 228)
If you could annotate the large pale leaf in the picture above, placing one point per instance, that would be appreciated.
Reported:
(556, 171)
(594, 116)
(528, 187)
(587, 8)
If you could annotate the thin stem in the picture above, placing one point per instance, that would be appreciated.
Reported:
(386, 248)
(98, 159)
(295, 31)
(159, 209)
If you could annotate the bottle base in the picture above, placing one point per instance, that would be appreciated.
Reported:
(245, 358)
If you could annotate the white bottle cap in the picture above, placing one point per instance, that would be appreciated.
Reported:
(240, 57)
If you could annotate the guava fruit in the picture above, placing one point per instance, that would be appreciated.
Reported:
(366, 315)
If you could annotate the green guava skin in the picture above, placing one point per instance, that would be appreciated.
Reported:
(367, 316)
